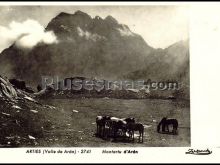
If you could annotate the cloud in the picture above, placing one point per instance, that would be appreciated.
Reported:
(25, 34)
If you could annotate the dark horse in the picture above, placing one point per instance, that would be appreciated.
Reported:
(131, 127)
(165, 125)
(101, 123)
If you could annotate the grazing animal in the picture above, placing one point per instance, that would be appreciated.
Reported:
(116, 125)
(108, 126)
(132, 127)
(101, 124)
(165, 125)
(129, 120)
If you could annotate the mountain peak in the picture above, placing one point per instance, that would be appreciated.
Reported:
(181, 43)
(111, 19)
(63, 14)
(97, 17)
(77, 13)
(80, 13)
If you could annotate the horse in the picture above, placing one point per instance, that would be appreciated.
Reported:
(165, 125)
(120, 124)
(101, 124)
(117, 124)
(129, 120)
(132, 127)
(106, 125)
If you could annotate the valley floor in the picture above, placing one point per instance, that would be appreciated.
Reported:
(74, 122)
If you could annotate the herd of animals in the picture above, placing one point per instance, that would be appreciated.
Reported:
(108, 126)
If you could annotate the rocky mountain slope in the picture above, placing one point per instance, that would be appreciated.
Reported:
(96, 48)
(22, 117)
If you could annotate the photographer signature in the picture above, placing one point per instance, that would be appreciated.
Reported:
(198, 152)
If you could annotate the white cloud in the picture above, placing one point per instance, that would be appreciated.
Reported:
(25, 34)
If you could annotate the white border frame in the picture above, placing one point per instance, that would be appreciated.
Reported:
(204, 93)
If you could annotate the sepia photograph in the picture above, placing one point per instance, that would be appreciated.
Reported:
(94, 76)
(109, 82)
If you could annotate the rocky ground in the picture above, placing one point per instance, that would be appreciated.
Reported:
(21, 119)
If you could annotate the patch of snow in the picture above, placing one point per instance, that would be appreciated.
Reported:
(31, 137)
(133, 90)
(34, 111)
(88, 35)
(15, 106)
(65, 28)
(51, 107)
(5, 114)
(8, 137)
(3, 81)
(147, 126)
(29, 98)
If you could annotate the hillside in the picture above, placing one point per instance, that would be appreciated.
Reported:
(23, 119)
(96, 48)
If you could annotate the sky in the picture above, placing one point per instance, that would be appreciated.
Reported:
(160, 26)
